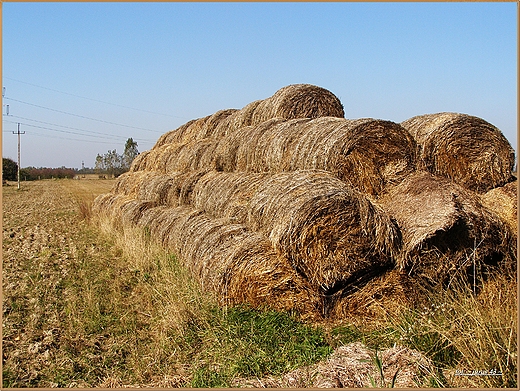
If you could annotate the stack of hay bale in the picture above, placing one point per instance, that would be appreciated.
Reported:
(288, 204)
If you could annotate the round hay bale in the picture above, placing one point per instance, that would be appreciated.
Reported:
(463, 148)
(446, 231)
(160, 189)
(195, 155)
(299, 101)
(195, 129)
(239, 266)
(109, 207)
(293, 101)
(212, 123)
(173, 135)
(183, 132)
(187, 156)
(237, 120)
(330, 233)
(308, 216)
(227, 195)
(139, 162)
(389, 294)
(504, 202)
(368, 153)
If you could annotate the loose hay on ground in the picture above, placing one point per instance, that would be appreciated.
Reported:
(352, 366)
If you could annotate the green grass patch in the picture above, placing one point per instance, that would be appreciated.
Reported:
(242, 342)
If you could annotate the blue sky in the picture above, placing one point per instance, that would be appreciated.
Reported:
(81, 78)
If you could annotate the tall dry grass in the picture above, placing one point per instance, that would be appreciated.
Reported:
(470, 335)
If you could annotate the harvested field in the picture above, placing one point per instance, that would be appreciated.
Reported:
(447, 233)
(90, 308)
(466, 149)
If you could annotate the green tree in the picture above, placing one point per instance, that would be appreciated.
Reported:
(129, 154)
(112, 163)
(100, 164)
(9, 169)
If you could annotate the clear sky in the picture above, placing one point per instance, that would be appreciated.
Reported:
(81, 78)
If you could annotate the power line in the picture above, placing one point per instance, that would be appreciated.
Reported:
(94, 100)
(101, 135)
(82, 116)
(65, 138)
(70, 139)
(75, 139)
(76, 133)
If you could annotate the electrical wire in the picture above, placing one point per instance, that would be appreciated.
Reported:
(69, 127)
(81, 116)
(94, 100)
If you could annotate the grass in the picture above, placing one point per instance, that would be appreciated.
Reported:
(90, 305)
(220, 343)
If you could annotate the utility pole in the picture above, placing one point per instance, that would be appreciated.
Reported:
(18, 133)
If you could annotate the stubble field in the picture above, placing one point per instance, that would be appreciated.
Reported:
(85, 306)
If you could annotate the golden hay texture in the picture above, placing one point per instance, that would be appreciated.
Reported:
(330, 233)
(228, 259)
(285, 203)
(174, 157)
(299, 101)
(504, 202)
(293, 101)
(463, 148)
(195, 129)
(446, 231)
(384, 295)
(368, 153)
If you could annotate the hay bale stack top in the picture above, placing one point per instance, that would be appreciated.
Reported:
(293, 101)
(463, 148)
(298, 101)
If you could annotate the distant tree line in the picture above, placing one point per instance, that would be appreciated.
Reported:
(10, 172)
(110, 164)
(113, 164)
